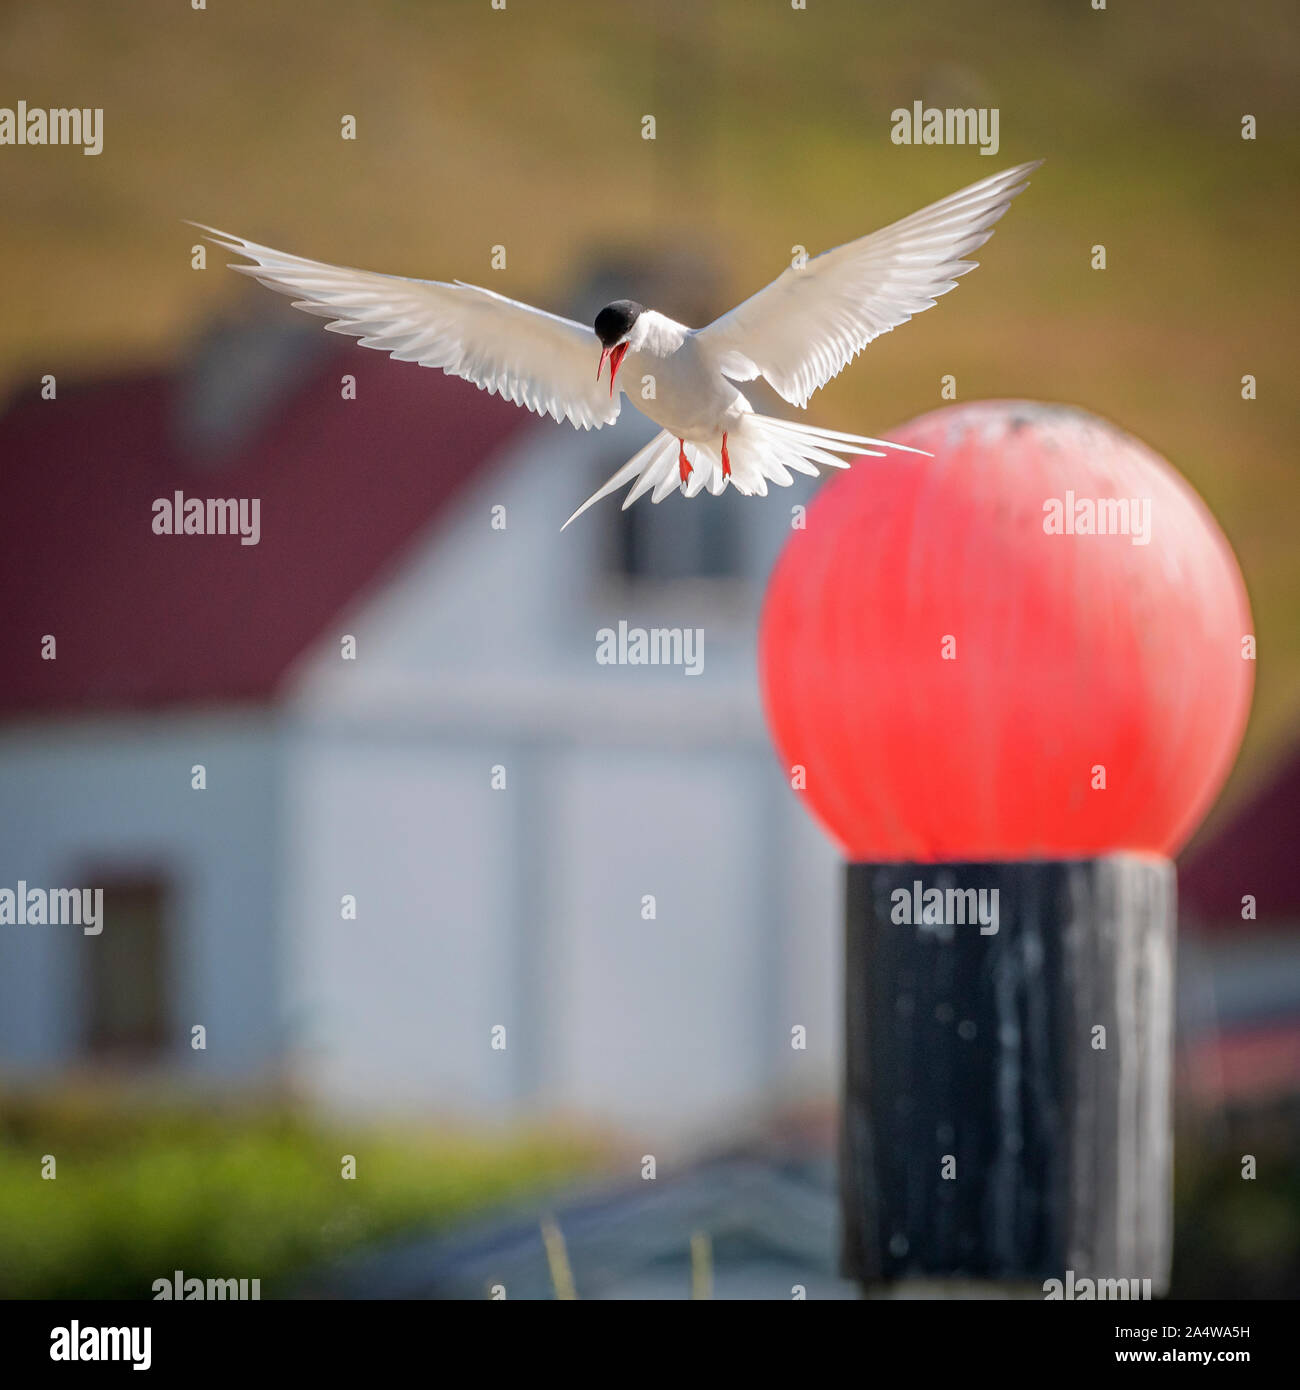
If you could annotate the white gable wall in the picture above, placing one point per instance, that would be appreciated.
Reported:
(523, 906)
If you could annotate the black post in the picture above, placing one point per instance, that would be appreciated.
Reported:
(1007, 1109)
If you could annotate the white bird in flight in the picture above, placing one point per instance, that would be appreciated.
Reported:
(798, 333)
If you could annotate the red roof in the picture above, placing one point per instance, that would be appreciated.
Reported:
(1254, 853)
(145, 620)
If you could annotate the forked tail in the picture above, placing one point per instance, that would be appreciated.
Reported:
(761, 449)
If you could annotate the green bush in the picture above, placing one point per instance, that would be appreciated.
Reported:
(230, 1190)
(1238, 1236)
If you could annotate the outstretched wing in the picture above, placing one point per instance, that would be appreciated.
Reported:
(535, 359)
(809, 324)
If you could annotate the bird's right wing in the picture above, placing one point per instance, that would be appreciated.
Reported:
(535, 359)
(810, 323)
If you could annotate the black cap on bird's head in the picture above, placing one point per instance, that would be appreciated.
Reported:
(613, 324)
(615, 321)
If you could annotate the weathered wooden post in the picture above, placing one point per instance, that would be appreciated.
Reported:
(1009, 679)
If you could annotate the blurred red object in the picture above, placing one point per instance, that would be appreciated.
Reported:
(1255, 1065)
(966, 668)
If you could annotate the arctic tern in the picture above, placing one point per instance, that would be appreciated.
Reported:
(797, 334)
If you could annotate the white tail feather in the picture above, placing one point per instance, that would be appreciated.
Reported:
(761, 449)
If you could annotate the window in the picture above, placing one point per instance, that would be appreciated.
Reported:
(678, 539)
(127, 969)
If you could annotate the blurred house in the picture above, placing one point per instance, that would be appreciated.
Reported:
(602, 860)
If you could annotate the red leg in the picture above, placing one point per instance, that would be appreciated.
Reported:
(683, 467)
(726, 458)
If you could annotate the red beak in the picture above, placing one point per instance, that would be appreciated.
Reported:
(616, 356)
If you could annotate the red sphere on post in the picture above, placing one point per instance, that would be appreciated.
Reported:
(1029, 646)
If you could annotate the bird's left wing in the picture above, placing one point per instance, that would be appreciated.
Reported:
(535, 359)
(810, 323)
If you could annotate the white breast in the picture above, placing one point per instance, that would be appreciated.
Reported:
(667, 377)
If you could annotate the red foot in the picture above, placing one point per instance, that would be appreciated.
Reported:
(683, 467)
(726, 458)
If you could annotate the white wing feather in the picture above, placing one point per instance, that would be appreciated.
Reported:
(535, 359)
(809, 324)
